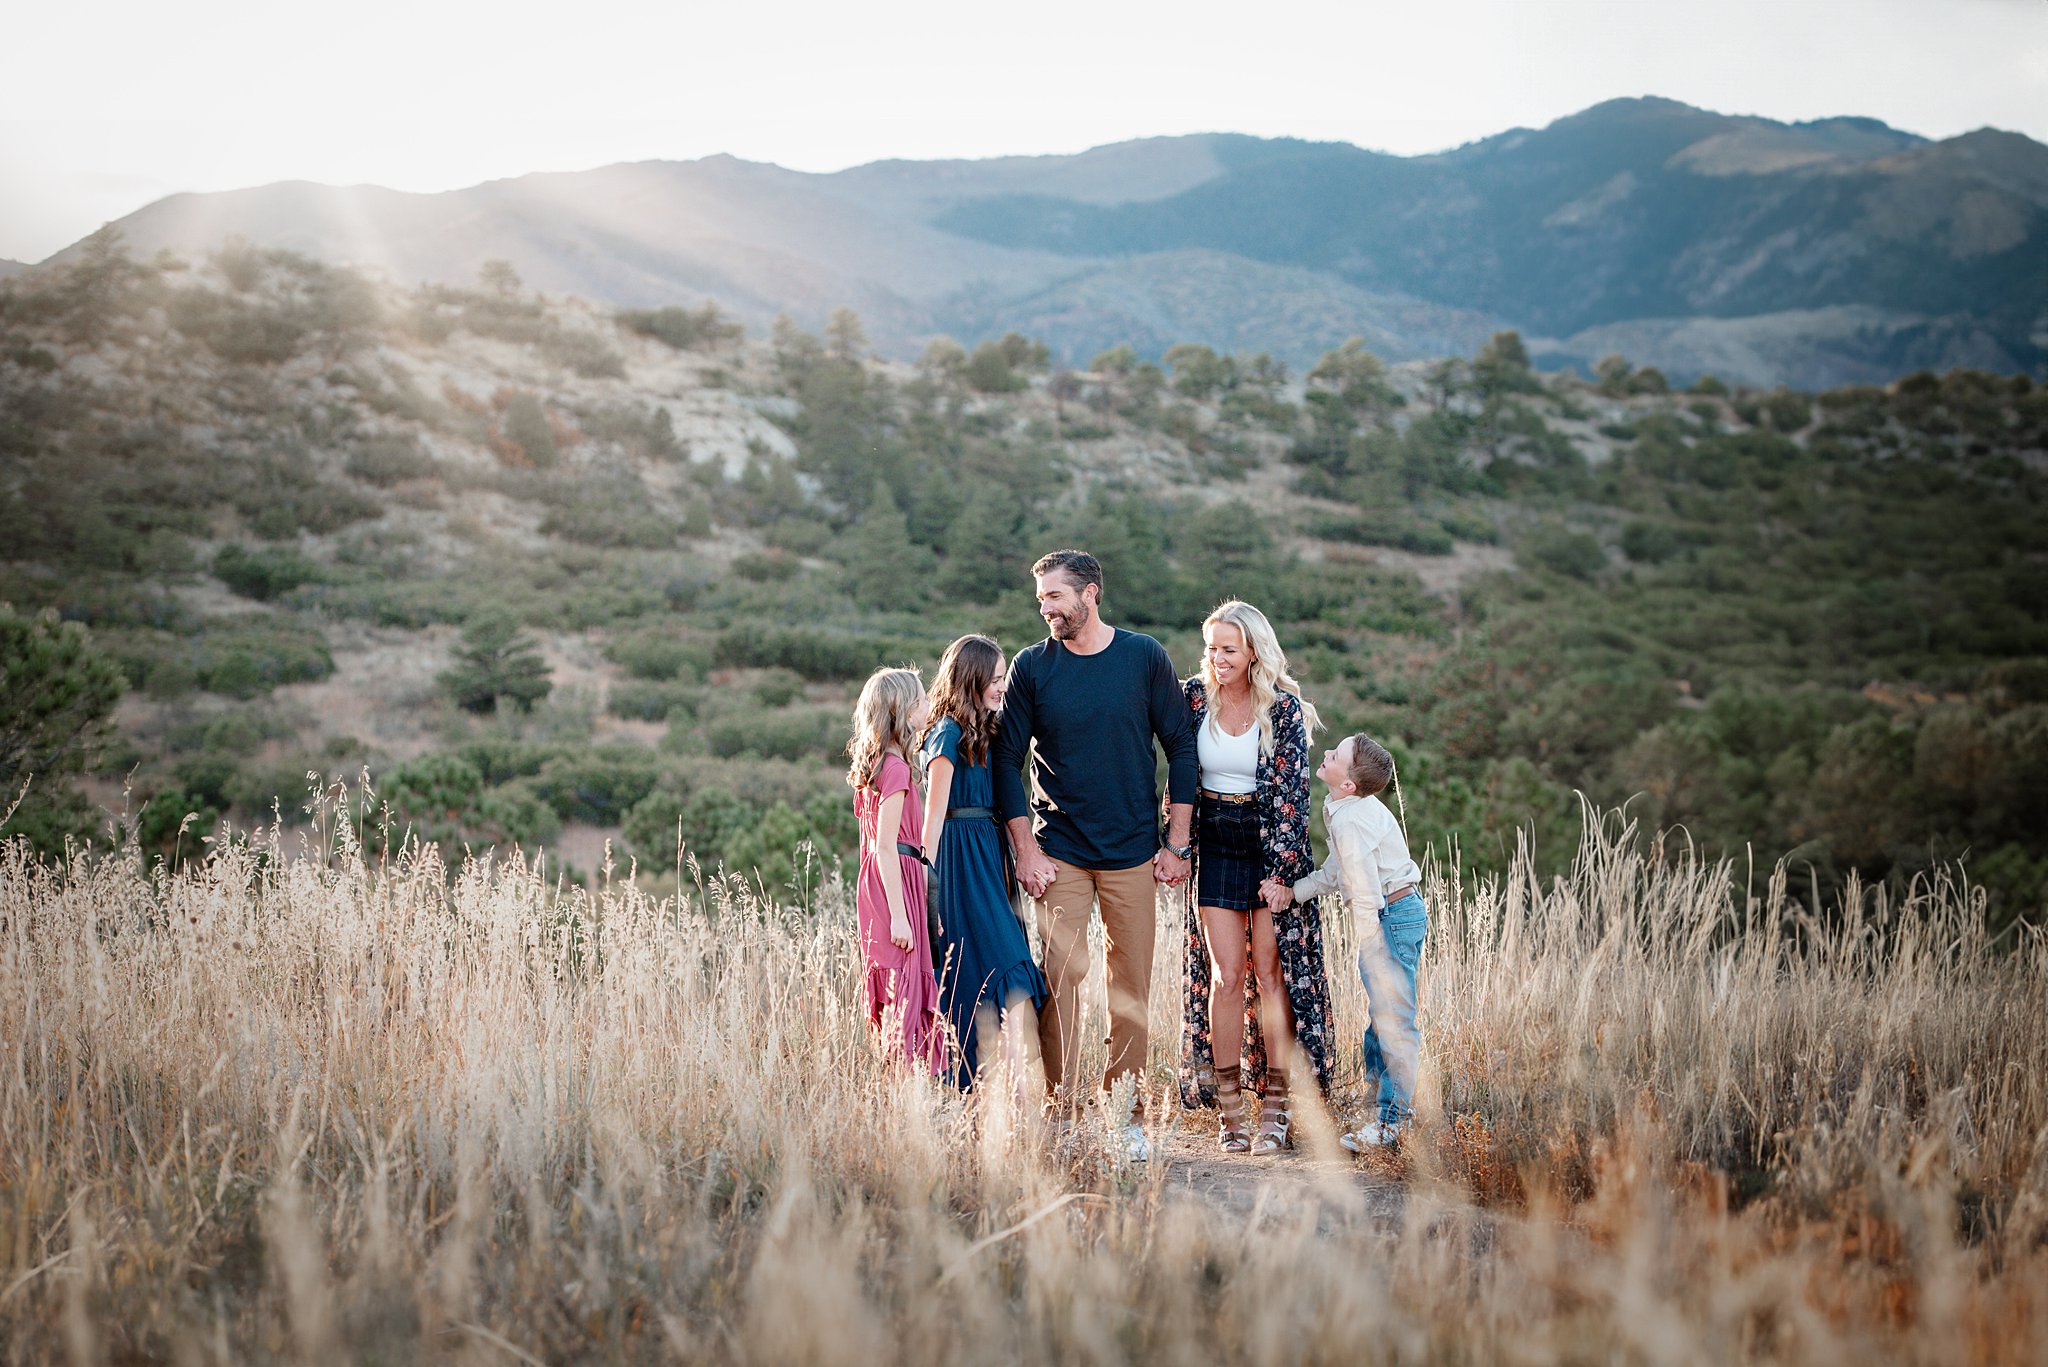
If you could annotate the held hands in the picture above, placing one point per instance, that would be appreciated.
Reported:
(1169, 868)
(1278, 894)
(1034, 870)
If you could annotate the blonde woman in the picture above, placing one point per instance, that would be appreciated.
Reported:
(1252, 729)
(895, 941)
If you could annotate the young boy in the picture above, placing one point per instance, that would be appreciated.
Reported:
(1370, 865)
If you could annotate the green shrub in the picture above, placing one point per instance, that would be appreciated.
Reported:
(388, 460)
(245, 656)
(1385, 527)
(659, 654)
(245, 332)
(1575, 554)
(778, 688)
(1469, 524)
(1651, 543)
(765, 567)
(597, 786)
(582, 353)
(643, 429)
(798, 536)
(442, 798)
(704, 820)
(769, 847)
(777, 735)
(174, 824)
(58, 692)
(500, 758)
(648, 700)
(527, 427)
(279, 495)
(812, 653)
(684, 329)
(988, 371)
(262, 574)
(609, 513)
(1785, 411)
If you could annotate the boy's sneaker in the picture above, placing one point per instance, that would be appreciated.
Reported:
(1372, 1136)
(1137, 1148)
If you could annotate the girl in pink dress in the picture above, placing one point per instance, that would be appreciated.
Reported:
(889, 900)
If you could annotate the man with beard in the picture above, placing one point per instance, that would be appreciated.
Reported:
(1086, 705)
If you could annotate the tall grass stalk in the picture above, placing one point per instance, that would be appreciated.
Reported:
(337, 1107)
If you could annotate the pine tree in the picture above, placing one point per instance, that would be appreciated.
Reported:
(985, 556)
(56, 694)
(496, 660)
(884, 567)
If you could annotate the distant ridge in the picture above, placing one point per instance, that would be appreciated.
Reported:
(1817, 253)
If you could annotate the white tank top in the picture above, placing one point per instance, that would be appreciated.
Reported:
(1230, 764)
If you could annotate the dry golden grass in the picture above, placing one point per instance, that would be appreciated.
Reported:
(317, 1109)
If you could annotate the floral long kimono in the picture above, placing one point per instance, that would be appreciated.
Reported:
(1283, 803)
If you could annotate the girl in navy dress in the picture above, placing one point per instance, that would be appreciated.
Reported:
(986, 975)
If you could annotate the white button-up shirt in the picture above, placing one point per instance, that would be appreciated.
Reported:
(1368, 855)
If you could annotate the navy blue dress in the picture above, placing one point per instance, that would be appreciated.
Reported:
(983, 957)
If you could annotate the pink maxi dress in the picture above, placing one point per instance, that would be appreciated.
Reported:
(903, 996)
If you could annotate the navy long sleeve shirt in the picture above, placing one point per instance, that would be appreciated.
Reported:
(1087, 723)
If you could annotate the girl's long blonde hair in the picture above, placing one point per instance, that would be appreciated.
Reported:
(881, 723)
(1269, 676)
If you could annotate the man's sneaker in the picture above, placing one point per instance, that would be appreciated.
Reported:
(1372, 1135)
(1137, 1147)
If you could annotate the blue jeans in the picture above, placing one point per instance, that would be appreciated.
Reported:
(1389, 949)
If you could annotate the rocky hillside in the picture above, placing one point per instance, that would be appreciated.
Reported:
(557, 575)
(1811, 254)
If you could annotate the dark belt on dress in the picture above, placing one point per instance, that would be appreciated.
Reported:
(910, 851)
(991, 815)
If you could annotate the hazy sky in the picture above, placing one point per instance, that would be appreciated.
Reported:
(106, 107)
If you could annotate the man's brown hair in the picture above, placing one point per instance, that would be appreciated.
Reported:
(1083, 568)
(1372, 768)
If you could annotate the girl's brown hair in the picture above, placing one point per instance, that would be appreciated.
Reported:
(965, 671)
(881, 723)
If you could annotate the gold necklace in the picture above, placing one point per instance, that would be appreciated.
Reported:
(1243, 723)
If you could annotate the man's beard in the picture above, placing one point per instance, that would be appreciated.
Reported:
(1067, 625)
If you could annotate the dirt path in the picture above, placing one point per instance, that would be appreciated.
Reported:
(1189, 1166)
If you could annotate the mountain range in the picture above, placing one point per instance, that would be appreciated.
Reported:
(1813, 254)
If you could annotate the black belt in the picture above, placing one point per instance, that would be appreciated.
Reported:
(910, 851)
(989, 814)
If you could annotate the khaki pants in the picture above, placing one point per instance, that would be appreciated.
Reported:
(1130, 925)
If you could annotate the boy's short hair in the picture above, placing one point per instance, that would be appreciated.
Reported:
(1082, 567)
(1372, 768)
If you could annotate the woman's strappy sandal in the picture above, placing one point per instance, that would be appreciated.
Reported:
(1276, 1122)
(1231, 1134)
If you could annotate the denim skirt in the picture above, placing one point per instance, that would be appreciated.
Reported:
(1228, 863)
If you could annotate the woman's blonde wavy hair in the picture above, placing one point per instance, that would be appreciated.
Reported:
(1269, 676)
(881, 723)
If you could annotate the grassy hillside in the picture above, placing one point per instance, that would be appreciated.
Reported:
(286, 501)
